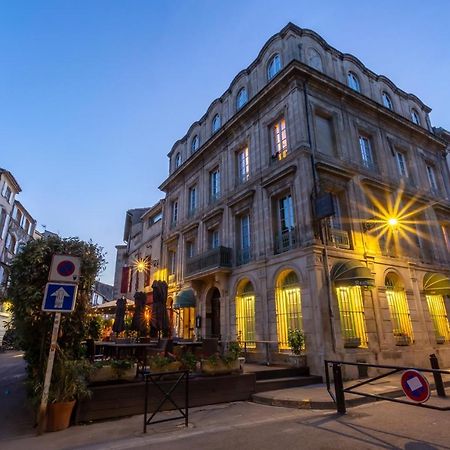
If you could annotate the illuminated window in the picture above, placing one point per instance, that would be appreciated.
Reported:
(185, 322)
(387, 101)
(241, 98)
(351, 309)
(288, 307)
(216, 123)
(399, 310)
(439, 316)
(279, 139)
(353, 82)
(245, 315)
(273, 67)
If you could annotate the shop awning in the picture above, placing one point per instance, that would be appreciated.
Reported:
(436, 284)
(351, 273)
(185, 299)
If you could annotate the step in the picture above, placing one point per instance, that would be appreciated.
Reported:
(286, 382)
(281, 372)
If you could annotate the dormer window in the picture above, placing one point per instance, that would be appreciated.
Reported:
(241, 98)
(216, 123)
(195, 144)
(415, 117)
(177, 160)
(353, 82)
(274, 66)
(387, 102)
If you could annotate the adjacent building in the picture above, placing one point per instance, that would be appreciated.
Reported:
(312, 194)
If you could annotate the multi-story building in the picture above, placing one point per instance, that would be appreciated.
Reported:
(312, 194)
(138, 261)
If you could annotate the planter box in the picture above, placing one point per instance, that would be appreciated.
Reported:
(171, 367)
(107, 373)
(352, 342)
(402, 341)
(219, 368)
(297, 361)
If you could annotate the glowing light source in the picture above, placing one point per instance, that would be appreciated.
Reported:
(141, 265)
(392, 221)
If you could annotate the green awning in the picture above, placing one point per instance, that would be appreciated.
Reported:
(185, 299)
(351, 273)
(436, 284)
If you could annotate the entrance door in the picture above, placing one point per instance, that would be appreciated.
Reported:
(213, 314)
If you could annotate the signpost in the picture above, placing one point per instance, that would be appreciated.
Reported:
(59, 296)
(415, 386)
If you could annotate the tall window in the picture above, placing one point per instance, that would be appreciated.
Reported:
(351, 309)
(288, 307)
(274, 66)
(336, 218)
(11, 243)
(285, 238)
(7, 193)
(216, 123)
(439, 316)
(243, 167)
(172, 262)
(325, 140)
(387, 102)
(314, 59)
(245, 315)
(214, 185)
(177, 160)
(241, 98)
(195, 144)
(401, 164)
(399, 310)
(366, 152)
(2, 221)
(353, 82)
(174, 212)
(244, 239)
(214, 238)
(279, 139)
(192, 202)
(190, 249)
(432, 178)
(415, 117)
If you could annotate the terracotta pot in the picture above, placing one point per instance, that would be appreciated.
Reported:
(58, 415)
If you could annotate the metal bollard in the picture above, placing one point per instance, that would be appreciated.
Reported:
(440, 389)
(339, 388)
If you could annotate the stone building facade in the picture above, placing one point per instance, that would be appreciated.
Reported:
(313, 194)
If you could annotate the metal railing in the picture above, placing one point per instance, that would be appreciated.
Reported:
(339, 238)
(243, 256)
(215, 258)
(286, 240)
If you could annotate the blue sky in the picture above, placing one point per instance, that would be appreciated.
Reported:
(93, 94)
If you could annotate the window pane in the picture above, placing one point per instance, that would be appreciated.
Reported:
(439, 317)
(400, 316)
(245, 319)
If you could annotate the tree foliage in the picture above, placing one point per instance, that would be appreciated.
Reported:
(28, 277)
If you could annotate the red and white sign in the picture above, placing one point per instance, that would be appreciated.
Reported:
(415, 386)
(65, 269)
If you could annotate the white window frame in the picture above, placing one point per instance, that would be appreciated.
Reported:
(241, 98)
(216, 123)
(174, 212)
(177, 160)
(243, 165)
(245, 238)
(415, 118)
(274, 66)
(195, 143)
(215, 238)
(432, 178)
(214, 184)
(387, 101)
(366, 152)
(401, 164)
(353, 81)
(279, 139)
(192, 199)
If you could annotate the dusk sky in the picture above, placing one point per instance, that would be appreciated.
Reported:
(93, 94)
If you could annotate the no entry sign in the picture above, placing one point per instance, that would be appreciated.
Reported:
(415, 386)
(65, 269)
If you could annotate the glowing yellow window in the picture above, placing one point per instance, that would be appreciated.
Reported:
(245, 315)
(185, 322)
(400, 316)
(439, 317)
(351, 309)
(288, 307)
(279, 145)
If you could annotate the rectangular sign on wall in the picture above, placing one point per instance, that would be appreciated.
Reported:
(65, 269)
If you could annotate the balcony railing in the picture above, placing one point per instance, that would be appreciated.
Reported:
(339, 238)
(243, 256)
(212, 259)
(286, 240)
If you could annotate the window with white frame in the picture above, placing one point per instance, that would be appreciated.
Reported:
(172, 262)
(192, 200)
(366, 152)
(174, 212)
(214, 238)
(279, 139)
(243, 167)
(401, 164)
(415, 117)
(2, 221)
(26, 226)
(432, 178)
(353, 82)
(285, 236)
(336, 218)
(214, 185)
(241, 98)
(244, 239)
(274, 66)
(195, 144)
(387, 102)
(216, 123)
(177, 160)
(7, 193)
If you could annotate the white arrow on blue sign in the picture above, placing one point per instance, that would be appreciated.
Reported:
(59, 297)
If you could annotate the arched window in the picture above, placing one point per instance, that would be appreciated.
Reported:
(314, 59)
(387, 101)
(274, 66)
(288, 306)
(195, 144)
(245, 314)
(399, 310)
(353, 82)
(11, 242)
(241, 98)
(177, 160)
(415, 117)
(216, 123)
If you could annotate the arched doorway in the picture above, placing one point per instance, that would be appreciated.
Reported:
(213, 314)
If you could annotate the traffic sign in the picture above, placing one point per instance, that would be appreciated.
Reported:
(65, 268)
(59, 297)
(415, 386)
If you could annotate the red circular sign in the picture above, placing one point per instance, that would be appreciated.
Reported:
(65, 268)
(415, 386)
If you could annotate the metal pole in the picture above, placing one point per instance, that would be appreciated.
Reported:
(146, 402)
(186, 422)
(440, 389)
(42, 416)
(339, 388)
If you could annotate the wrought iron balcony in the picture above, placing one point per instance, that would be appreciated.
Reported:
(339, 238)
(286, 240)
(212, 259)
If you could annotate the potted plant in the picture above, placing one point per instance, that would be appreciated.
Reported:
(296, 341)
(102, 371)
(160, 363)
(123, 369)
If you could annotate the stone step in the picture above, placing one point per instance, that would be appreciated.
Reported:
(281, 372)
(285, 382)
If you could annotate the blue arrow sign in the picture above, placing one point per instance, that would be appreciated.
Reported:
(59, 297)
